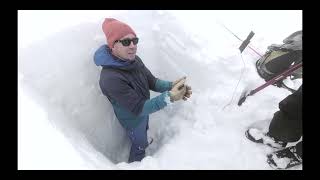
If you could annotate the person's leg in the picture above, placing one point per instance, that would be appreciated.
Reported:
(138, 138)
(282, 128)
(286, 124)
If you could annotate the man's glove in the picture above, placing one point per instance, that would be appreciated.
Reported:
(178, 90)
(188, 88)
(176, 81)
(188, 93)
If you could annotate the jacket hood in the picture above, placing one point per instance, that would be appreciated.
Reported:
(104, 58)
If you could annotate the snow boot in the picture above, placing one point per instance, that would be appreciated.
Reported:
(284, 159)
(258, 136)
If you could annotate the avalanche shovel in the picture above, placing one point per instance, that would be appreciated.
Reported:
(283, 75)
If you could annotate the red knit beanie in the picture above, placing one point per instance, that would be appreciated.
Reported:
(115, 30)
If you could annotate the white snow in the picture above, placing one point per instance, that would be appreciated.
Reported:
(64, 121)
(281, 162)
(257, 134)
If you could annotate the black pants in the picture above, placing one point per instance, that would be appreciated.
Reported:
(286, 124)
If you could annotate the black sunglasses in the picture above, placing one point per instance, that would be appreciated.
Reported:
(127, 41)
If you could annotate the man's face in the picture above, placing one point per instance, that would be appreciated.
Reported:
(125, 52)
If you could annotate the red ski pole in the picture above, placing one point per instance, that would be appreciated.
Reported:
(271, 81)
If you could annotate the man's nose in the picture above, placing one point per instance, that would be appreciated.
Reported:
(132, 45)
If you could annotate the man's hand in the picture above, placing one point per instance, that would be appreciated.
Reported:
(176, 81)
(188, 88)
(179, 90)
(188, 93)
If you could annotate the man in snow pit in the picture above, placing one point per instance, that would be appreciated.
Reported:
(126, 82)
(285, 127)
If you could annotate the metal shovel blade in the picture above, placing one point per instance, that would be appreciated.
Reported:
(243, 97)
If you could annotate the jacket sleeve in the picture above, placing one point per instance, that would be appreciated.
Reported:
(292, 104)
(151, 79)
(119, 90)
(162, 86)
(156, 84)
(156, 103)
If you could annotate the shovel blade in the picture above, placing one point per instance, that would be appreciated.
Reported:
(243, 97)
(241, 100)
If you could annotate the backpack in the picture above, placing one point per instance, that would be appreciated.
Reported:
(279, 58)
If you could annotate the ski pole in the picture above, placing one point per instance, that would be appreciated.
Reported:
(272, 81)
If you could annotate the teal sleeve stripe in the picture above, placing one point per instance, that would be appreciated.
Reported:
(162, 86)
(155, 104)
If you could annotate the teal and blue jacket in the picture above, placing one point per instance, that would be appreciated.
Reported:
(127, 85)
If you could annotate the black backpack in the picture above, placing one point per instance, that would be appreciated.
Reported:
(279, 58)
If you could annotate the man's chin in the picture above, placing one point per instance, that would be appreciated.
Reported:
(131, 57)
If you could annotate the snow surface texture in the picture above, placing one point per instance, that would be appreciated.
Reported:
(66, 123)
